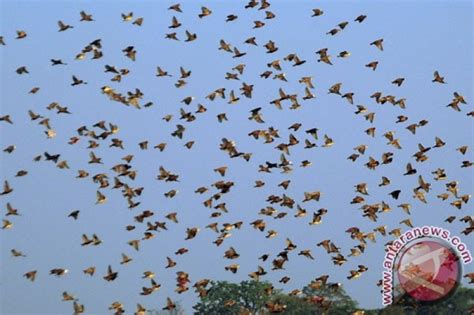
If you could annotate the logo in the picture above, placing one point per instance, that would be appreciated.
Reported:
(428, 271)
(425, 264)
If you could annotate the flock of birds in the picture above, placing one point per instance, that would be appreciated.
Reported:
(280, 205)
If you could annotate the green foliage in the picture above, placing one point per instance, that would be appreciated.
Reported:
(295, 305)
(341, 302)
(179, 310)
(249, 295)
(458, 303)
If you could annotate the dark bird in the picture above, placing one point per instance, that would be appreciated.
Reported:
(360, 18)
(74, 214)
(63, 27)
(76, 81)
(378, 43)
(111, 275)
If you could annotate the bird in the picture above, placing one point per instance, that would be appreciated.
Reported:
(16, 253)
(204, 12)
(22, 70)
(438, 78)
(191, 233)
(6, 188)
(86, 17)
(11, 210)
(56, 62)
(378, 43)
(76, 81)
(373, 65)
(110, 275)
(58, 272)
(101, 198)
(398, 81)
(344, 54)
(21, 34)
(175, 7)
(190, 36)
(470, 276)
(317, 12)
(34, 90)
(231, 17)
(395, 194)
(31, 275)
(138, 21)
(64, 27)
(360, 18)
(126, 17)
(335, 89)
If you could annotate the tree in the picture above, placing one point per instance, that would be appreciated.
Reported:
(253, 297)
(295, 305)
(459, 302)
(232, 298)
(338, 301)
(179, 310)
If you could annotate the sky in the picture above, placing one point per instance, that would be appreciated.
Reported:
(419, 38)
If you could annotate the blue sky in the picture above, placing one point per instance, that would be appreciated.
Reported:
(419, 38)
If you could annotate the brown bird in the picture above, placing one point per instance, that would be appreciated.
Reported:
(111, 275)
(312, 196)
(174, 23)
(171, 36)
(204, 12)
(306, 253)
(231, 253)
(16, 253)
(127, 17)
(317, 12)
(231, 17)
(335, 89)
(410, 170)
(470, 276)
(271, 47)
(190, 36)
(21, 34)
(251, 41)
(6, 188)
(191, 233)
(86, 17)
(64, 27)
(221, 170)
(398, 81)
(438, 78)
(171, 263)
(30, 275)
(138, 22)
(378, 43)
(237, 53)
(34, 90)
(372, 65)
(176, 7)
(68, 297)
(258, 24)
